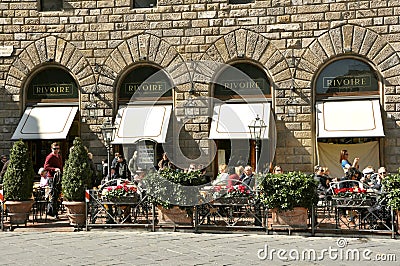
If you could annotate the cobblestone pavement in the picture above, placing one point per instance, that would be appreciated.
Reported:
(139, 247)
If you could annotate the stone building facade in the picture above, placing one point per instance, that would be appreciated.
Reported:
(97, 42)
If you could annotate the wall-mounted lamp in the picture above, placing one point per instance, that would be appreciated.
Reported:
(91, 106)
(142, 58)
(97, 68)
(292, 101)
(192, 90)
(240, 55)
(191, 109)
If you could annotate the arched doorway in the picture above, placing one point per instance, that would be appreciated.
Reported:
(348, 113)
(51, 114)
(243, 92)
(144, 112)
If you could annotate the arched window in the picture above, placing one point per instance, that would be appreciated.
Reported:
(241, 79)
(52, 83)
(145, 82)
(347, 77)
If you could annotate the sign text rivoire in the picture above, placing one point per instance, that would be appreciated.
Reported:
(347, 82)
(53, 89)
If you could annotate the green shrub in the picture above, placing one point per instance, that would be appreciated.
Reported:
(18, 179)
(391, 185)
(170, 187)
(77, 173)
(289, 190)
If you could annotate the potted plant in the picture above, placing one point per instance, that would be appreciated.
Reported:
(175, 193)
(18, 184)
(391, 185)
(75, 180)
(289, 196)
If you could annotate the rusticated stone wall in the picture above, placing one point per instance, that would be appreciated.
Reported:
(290, 39)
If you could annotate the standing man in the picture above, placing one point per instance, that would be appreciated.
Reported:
(54, 166)
(3, 167)
(3, 161)
(122, 169)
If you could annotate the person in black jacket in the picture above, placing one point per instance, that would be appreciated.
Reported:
(121, 168)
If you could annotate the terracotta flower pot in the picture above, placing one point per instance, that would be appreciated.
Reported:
(76, 212)
(19, 211)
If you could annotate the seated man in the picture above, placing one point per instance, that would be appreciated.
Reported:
(248, 177)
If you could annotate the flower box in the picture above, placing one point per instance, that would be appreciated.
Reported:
(134, 198)
(232, 201)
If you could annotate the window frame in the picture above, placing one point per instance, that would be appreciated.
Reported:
(358, 94)
(40, 6)
(135, 7)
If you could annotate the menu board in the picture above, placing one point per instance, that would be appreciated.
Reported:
(146, 156)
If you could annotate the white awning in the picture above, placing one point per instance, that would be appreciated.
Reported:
(231, 121)
(45, 122)
(349, 119)
(142, 122)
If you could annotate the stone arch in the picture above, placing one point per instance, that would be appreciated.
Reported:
(244, 43)
(49, 49)
(349, 39)
(143, 48)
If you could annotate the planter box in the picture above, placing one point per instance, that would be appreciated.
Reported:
(174, 216)
(124, 199)
(296, 218)
(232, 201)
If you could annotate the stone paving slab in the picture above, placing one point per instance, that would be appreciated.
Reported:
(127, 247)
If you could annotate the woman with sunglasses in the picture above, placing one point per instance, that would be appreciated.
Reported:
(344, 161)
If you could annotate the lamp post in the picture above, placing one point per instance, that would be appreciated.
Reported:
(108, 131)
(257, 128)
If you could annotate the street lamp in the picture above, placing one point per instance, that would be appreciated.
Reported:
(257, 128)
(108, 131)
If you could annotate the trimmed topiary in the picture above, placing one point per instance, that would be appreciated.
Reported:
(18, 179)
(289, 190)
(391, 185)
(77, 173)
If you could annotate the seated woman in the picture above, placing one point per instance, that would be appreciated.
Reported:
(353, 174)
(277, 170)
(234, 175)
(322, 181)
(223, 176)
(345, 163)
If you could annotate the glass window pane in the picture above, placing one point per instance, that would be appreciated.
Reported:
(242, 79)
(234, 2)
(144, 3)
(51, 5)
(347, 76)
(145, 81)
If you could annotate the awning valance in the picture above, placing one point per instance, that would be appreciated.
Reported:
(45, 122)
(134, 123)
(231, 121)
(339, 119)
